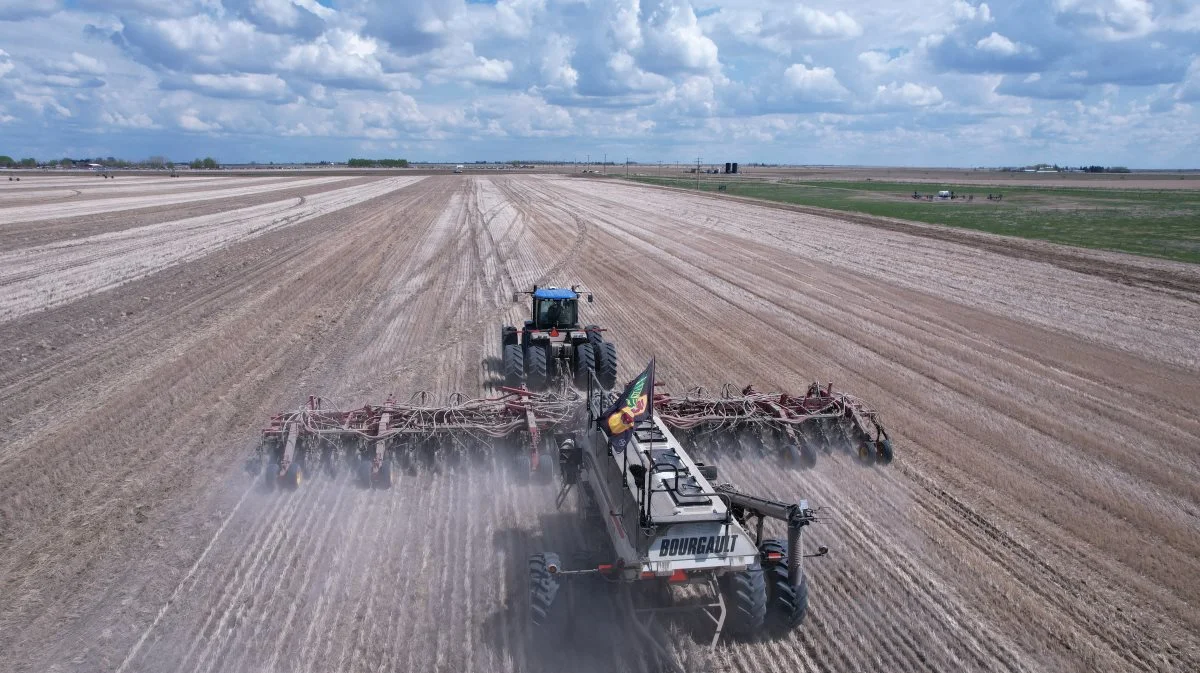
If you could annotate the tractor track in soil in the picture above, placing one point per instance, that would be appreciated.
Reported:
(1038, 516)
(21, 235)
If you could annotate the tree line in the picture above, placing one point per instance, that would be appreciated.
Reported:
(106, 162)
(377, 163)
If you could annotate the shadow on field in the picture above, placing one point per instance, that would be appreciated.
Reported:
(592, 634)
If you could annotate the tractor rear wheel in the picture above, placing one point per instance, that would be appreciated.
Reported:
(594, 336)
(537, 366)
(746, 602)
(514, 366)
(606, 365)
(508, 335)
(787, 604)
(585, 364)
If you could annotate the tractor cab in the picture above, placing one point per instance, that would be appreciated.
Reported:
(555, 308)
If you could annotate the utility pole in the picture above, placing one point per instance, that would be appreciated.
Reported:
(604, 166)
(626, 166)
(660, 168)
(697, 172)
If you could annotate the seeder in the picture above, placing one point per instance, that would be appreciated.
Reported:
(374, 439)
(318, 437)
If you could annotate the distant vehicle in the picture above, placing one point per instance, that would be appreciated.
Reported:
(458, 168)
(944, 194)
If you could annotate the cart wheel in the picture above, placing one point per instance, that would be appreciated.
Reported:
(270, 475)
(883, 452)
(866, 453)
(384, 479)
(364, 473)
(294, 476)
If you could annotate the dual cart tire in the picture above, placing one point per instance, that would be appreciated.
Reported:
(290, 480)
(787, 605)
(761, 600)
(383, 480)
(745, 602)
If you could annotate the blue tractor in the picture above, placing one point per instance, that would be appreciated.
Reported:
(553, 345)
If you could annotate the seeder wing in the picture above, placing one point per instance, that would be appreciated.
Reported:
(319, 437)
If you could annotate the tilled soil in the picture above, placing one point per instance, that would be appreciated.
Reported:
(1042, 514)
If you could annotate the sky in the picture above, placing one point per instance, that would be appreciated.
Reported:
(876, 82)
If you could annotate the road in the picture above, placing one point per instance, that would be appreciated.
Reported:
(1043, 513)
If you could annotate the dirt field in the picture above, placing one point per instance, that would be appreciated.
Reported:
(1043, 513)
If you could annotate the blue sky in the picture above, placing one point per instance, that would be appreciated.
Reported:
(934, 82)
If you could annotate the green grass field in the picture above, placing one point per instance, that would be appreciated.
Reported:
(1158, 223)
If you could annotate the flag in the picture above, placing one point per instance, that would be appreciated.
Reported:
(634, 404)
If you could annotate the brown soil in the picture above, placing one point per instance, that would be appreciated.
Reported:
(1042, 513)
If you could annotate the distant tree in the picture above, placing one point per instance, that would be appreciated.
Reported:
(171, 165)
(196, 163)
(1118, 169)
(156, 161)
(29, 162)
(209, 163)
(6, 161)
(377, 163)
(52, 163)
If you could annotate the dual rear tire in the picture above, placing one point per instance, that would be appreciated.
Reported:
(605, 355)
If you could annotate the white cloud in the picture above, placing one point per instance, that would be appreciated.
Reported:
(138, 120)
(673, 40)
(267, 87)
(556, 68)
(19, 10)
(188, 121)
(965, 11)
(814, 84)
(784, 29)
(486, 70)
(79, 64)
(449, 78)
(908, 93)
(999, 45)
(1189, 88)
(1109, 19)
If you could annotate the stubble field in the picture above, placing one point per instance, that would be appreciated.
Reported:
(1043, 513)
